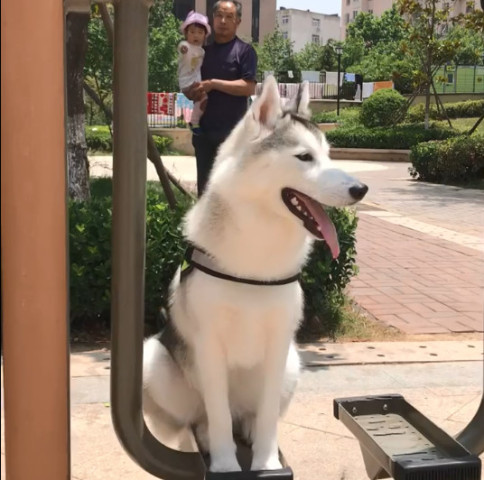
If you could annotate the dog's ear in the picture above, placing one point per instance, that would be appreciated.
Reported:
(300, 103)
(267, 108)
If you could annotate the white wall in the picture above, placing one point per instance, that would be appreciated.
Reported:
(300, 28)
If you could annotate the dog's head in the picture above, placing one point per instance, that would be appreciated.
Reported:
(277, 155)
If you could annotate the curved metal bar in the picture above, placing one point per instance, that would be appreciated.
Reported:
(472, 437)
(128, 254)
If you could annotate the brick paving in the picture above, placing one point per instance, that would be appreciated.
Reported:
(420, 256)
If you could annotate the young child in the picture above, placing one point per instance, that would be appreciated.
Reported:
(190, 57)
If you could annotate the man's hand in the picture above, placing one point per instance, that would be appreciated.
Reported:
(207, 85)
(195, 91)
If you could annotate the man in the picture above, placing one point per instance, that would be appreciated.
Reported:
(228, 78)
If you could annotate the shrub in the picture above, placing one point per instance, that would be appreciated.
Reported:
(380, 108)
(98, 139)
(90, 252)
(467, 109)
(162, 143)
(454, 161)
(398, 137)
(322, 279)
(347, 116)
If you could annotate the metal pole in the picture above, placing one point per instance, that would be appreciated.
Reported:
(339, 71)
(128, 252)
(34, 242)
(472, 437)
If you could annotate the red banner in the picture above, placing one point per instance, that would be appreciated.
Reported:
(161, 103)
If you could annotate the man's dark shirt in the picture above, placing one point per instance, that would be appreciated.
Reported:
(226, 61)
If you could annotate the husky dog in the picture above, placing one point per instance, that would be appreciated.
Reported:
(227, 360)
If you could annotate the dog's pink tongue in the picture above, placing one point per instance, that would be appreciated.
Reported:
(326, 226)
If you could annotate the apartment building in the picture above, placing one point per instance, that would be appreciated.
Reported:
(351, 8)
(258, 16)
(304, 26)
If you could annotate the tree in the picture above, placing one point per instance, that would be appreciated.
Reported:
(77, 163)
(276, 55)
(372, 49)
(428, 42)
(98, 69)
(164, 36)
(471, 45)
(310, 57)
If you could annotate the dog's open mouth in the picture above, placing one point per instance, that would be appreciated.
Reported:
(313, 216)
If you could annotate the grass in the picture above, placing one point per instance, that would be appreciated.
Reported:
(463, 124)
(347, 116)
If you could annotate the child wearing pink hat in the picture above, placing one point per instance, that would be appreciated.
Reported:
(190, 58)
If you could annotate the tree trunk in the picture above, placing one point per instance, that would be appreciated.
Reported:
(76, 46)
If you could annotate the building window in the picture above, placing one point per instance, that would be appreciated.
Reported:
(450, 78)
(348, 2)
(347, 18)
(285, 20)
(315, 39)
(355, 12)
(315, 22)
(284, 35)
(370, 11)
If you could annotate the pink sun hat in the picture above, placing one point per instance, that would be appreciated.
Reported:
(195, 17)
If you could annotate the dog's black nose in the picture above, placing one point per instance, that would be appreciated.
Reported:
(358, 191)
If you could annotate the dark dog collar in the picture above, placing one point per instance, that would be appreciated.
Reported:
(195, 257)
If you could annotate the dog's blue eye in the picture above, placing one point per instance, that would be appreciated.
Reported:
(305, 157)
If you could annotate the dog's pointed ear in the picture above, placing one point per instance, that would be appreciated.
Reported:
(267, 108)
(300, 103)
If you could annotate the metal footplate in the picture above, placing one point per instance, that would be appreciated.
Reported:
(244, 456)
(398, 441)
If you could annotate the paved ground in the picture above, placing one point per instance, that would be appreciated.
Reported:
(421, 254)
(420, 248)
(441, 379)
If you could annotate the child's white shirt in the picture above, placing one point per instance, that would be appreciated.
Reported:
(189, 64)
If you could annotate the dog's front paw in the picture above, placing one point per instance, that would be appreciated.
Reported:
(224, 464)
(271, 463)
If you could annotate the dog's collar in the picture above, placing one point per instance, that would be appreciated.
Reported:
(196, 257)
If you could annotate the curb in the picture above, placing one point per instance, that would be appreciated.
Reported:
(370, 154)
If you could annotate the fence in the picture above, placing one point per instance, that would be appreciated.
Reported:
(460, 79)
(170, 110)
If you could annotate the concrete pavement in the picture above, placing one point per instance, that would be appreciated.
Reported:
(445, 387)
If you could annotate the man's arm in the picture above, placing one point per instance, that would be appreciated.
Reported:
(239, 88)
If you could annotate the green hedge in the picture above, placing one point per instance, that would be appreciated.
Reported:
(98, 139)
(467, 109)
(347, 116)
(380, 108)
(90, 252)
(454, 161)
(399, 137)
(323, 279)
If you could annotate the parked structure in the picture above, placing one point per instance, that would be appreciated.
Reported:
(351, 8)
(459, 79)
(304, 26)
(258, 17)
